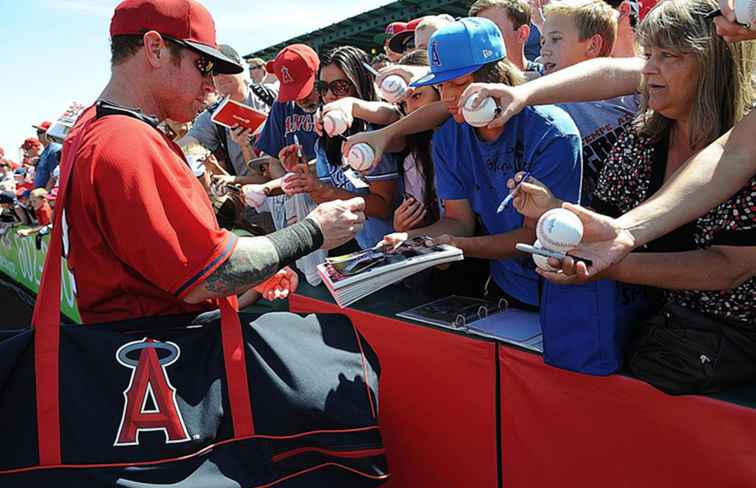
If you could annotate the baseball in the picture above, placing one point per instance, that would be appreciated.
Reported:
(542, 261)
(393, 88)
(559, 230)
(334, 123)
(284, 182)
(361, 157)
(745, 13)
(481, 116)
(253, 196)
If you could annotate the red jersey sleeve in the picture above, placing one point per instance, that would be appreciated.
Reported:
(153, 212)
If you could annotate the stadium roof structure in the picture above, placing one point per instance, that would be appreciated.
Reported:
(360, 30)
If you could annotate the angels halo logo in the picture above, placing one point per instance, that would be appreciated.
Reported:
(435, 57)
(286, 76)
(149, 381)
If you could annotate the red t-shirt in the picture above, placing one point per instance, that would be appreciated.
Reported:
(43, 214)
(141, 230)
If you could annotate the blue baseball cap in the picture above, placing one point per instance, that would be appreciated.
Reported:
(462, 47)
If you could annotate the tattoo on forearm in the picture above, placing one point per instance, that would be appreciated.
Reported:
(253, 260)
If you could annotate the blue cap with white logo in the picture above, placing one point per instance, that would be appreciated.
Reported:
(461, 48)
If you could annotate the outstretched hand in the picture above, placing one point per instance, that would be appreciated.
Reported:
(510, 99)
(339, 220)
(728, 27)
(531, 198)
(289, 157)
(604, 242)
(377, 139)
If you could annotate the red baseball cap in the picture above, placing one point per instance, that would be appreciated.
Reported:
(44, 126)
(31, 142)
(399, 41)
(186, 22)
(295, 67)
(392, 29)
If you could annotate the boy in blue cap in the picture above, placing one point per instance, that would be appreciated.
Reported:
(473, 164)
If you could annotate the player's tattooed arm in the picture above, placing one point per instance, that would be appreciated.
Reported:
(253, 260)
(256, 258)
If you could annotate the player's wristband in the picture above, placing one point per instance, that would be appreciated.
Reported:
(296, 241)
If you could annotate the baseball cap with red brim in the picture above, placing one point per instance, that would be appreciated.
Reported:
(185, 22)
(404, 40)
(296, 67)
(391, 30)
(43, 126)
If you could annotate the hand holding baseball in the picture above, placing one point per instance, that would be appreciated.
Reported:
(289, 157)
(510, 100)
(605, 242)
(377, 140)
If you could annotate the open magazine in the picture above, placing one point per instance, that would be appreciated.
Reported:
(481, 317)
(353, 276)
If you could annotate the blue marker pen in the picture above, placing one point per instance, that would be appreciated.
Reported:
(511, 196)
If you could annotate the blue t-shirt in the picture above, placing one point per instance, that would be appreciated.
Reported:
(284, 120)
(600, 125)
(533, 46)
(542, 140)
(47, 163)
(387, 169)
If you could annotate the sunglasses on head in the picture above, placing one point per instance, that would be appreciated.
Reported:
(339, 88)
(204, 64)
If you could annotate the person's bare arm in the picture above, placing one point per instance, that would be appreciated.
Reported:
(391, 137)
(498, 246)
(379, 113)
(379, 202)
(716, 268)
(595, 79)
(706, 180)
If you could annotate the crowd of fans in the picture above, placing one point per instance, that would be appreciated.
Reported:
(28, 187)
(436, 175)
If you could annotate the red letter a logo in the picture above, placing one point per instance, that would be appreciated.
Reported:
(149, 380)
(286, 76)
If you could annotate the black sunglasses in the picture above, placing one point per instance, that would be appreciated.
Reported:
(339, 88)
(204, 64)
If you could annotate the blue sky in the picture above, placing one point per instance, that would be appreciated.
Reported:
(56, 51)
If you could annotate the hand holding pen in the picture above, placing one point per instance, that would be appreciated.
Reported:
(512, 194)
(529, 196)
